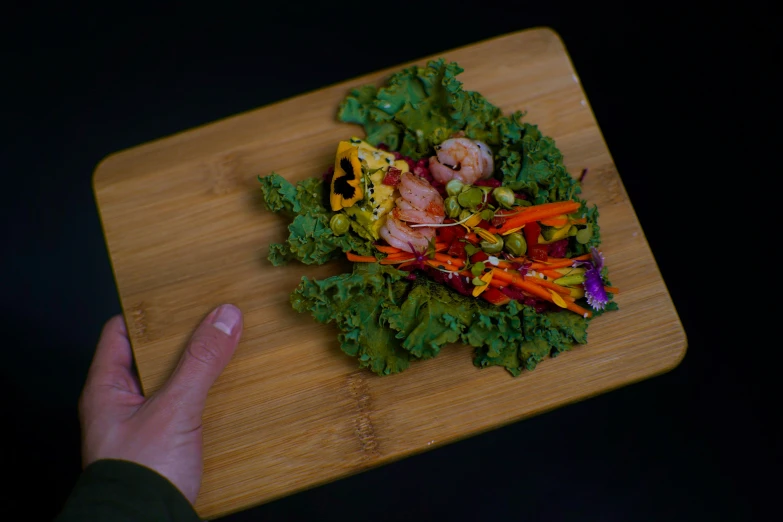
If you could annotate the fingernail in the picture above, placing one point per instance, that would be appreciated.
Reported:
(227, 318)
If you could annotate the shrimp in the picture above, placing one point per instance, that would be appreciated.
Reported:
(400, 235)
(416, 193)
(419, 203)
(463, 159)
(417, 216)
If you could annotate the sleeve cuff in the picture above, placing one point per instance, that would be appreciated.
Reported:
(120, 490)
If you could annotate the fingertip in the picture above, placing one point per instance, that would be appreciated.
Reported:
(113, 328)
(113, 349)
(227, 318)
(209, 350)
(116, 324)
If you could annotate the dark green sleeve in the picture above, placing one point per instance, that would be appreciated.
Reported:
(123, 491)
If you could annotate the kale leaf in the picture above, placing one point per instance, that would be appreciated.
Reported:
(310, 240)
(357, 304)
(385, 319)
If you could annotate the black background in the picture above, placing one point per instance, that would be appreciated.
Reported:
(685, 98)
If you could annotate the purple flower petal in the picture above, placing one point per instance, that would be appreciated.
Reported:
(594, 289)
(594, 283)
(598, 259)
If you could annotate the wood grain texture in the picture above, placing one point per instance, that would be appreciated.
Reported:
(186, 230)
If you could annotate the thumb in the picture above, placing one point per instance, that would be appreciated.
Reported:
(208, 352)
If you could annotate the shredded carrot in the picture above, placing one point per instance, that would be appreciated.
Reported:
(558, 262)
(584, 312)
(454, 261)
(535, 286)
(510, 213)
(360, 259)
(399, 255)
(539, 291)
(551, 265)
(387, 249)
(551, 274)
(560, 289)
(442, 266)
(518, 281)
(537, 213)
(505, 264)
(471, 237)
(513, 277)
(498, 283)
(396, 259)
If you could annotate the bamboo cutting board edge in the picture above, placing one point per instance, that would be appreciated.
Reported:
(119, 169)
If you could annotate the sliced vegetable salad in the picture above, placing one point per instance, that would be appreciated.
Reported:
(462, 226)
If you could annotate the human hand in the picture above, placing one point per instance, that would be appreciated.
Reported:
(162, 432)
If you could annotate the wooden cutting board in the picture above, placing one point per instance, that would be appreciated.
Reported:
(186, 231)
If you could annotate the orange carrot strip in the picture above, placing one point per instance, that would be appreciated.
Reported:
(442, 266)
(386, 249)
(553, 208)
(560, 289)
(500, 284)
(549, 266)
(518, 281)
(570, 301)
(537, 213)
(546, 212)
(510, 212)
(395, 260)
(583, 257)
(360, 259)
(399, 255)
(558, 262)
(612, 289)
(584, 312)
(551, 274)
(455, 261)
(505, 264)
(539, 291)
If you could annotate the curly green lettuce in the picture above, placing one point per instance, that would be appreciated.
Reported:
(356, 303)
(310, 239)
(385, 319)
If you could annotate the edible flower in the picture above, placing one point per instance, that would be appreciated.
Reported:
(346, 189)
(594, 285)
